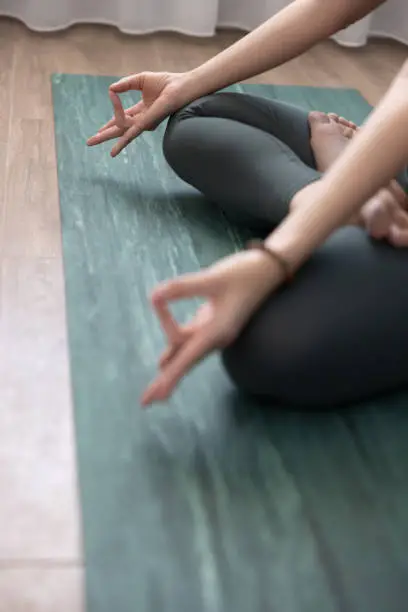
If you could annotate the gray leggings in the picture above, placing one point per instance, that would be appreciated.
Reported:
(339, 333)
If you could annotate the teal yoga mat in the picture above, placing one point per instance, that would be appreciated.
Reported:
(211, 503)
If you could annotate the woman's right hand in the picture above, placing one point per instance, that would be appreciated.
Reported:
(162, 94)
(234, 288)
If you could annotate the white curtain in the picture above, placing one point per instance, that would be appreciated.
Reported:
(196, 17)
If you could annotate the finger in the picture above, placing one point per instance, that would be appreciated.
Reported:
(108, 134)
(179, 333)
(133, 81)
(135, 109)
(150, 120)
(129, 112)
(399, 193)
(120, 118)
(168, 356)
(400, 218)
(398, 236)
(187, 357)
(170, 326)
(110, 123)
(187, 286)
(131, 133)
(398, 231)
(377, 215)
(186, 331)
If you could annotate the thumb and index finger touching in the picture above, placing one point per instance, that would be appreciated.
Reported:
(134, 81)
(149, 119)
(197, 284)
(192, 352)
(181, 288)
(118, 111)
(186, 348)
(189, 286)
(119, 127)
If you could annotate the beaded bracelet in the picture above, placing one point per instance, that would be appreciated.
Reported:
(284, 265)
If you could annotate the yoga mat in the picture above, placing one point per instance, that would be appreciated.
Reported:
(211, 502)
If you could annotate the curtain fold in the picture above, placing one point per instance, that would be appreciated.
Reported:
(194, 18)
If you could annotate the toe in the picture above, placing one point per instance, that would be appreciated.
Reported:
(348, 133)
(333, 117)
(316, 117)
(347, 123)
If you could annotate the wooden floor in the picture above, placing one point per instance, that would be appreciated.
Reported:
(40, 543)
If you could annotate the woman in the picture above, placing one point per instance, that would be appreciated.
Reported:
(335, 334)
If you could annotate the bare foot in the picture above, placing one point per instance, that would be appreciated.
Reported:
(330, 134)
(384, 216)
(350, 126)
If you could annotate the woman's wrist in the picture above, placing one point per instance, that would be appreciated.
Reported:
(303, 230)
(197, 83)
(275, 255)
(267, 271)
(185, 88)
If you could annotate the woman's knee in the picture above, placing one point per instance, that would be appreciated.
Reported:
(181, 142)
(274, 362)
(182, 135)
(278, 370)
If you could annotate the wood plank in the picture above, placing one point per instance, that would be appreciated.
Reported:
(38, 488)
(31, 224)
(39, 589)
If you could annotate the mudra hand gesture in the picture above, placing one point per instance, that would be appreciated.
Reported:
(234, 288)
(162, 94)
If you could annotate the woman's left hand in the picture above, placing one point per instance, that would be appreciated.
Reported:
(234, 288)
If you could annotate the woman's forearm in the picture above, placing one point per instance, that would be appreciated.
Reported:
(374, 156)
(283, 37)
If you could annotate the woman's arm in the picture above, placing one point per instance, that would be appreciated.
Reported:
(286, 35)
(376, 154)
(283, 37)
(236, 286)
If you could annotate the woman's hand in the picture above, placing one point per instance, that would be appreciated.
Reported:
(234, 288)
(162, 94)
(385, 215)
